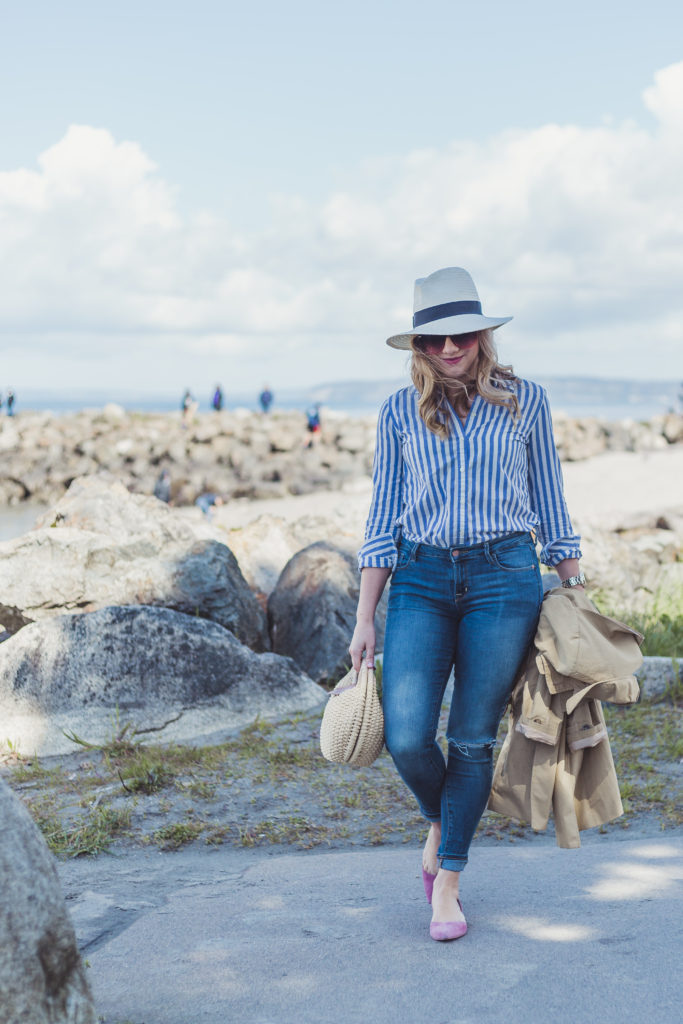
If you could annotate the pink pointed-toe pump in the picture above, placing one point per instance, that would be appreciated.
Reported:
(428, 882)
(444, 931)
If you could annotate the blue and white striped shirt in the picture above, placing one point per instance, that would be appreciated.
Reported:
(493, 476)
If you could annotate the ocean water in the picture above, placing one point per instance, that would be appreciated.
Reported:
(18, 519)
(639, 411)
(572, 396)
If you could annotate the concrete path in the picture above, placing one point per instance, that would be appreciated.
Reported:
(209, 936)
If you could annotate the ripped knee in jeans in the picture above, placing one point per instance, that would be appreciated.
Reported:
(469, 751)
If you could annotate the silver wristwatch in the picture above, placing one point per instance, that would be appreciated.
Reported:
(575, 581)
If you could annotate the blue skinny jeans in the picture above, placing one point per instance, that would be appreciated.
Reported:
(475, 610)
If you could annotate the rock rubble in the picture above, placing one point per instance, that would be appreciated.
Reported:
(237, 453)
(101, 545)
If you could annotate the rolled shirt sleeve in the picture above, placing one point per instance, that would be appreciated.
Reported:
(382, 529)
(546, 491)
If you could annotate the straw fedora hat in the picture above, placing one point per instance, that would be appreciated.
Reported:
(446, 302)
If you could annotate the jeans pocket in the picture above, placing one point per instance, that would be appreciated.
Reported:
(515, 556)
(406, 554)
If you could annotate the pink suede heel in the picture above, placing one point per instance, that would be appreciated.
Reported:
(444, 931)
(428, 882)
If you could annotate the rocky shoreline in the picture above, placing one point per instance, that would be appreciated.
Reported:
(238, 454)
(233, 454)
(116, 600)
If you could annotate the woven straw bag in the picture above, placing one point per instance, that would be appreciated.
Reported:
(352, 729)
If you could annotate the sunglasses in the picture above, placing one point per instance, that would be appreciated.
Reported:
(433, 343)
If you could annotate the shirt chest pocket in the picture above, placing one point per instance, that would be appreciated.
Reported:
(517, 451)
(417, 457)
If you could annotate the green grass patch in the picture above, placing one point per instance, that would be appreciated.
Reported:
(661, 623)
(200, 789)
(92, 834)
(647, 744)
(251, 740)
(34, 772)
(291, 830)
(270, 785)
(177, 834)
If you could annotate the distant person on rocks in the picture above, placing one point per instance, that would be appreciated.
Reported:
(188, 407)
(313, 426)
(466, 474)
(266, 399)
(10, 402)
(207, 502)
(217, 400)
(162, 487)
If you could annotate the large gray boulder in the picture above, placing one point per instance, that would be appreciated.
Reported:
(672, 428)
(156, 667)
(264, 546)
(312, 611)
(102, 545)
(42, 978)
(580, 439)
(658, 675)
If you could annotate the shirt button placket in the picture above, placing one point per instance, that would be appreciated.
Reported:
(461, 495)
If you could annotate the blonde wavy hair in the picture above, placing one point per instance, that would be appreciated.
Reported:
(493, 381)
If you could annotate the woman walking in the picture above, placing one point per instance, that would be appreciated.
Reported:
(465, 469)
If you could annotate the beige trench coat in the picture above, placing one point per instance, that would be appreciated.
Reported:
(556, 754)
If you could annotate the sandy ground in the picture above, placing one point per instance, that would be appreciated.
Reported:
(616, 486)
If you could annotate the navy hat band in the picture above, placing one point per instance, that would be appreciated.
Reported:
(425, 316)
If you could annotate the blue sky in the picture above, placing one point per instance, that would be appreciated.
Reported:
(201, 191)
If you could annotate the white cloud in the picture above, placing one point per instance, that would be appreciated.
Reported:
(577, 232)
(665, 98)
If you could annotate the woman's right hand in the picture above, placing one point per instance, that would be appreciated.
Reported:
(372, 582)
(363, 639)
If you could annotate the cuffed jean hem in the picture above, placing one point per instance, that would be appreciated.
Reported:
(453, 863)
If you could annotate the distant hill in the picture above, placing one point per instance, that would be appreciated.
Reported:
(578, 391)
(575, 395)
